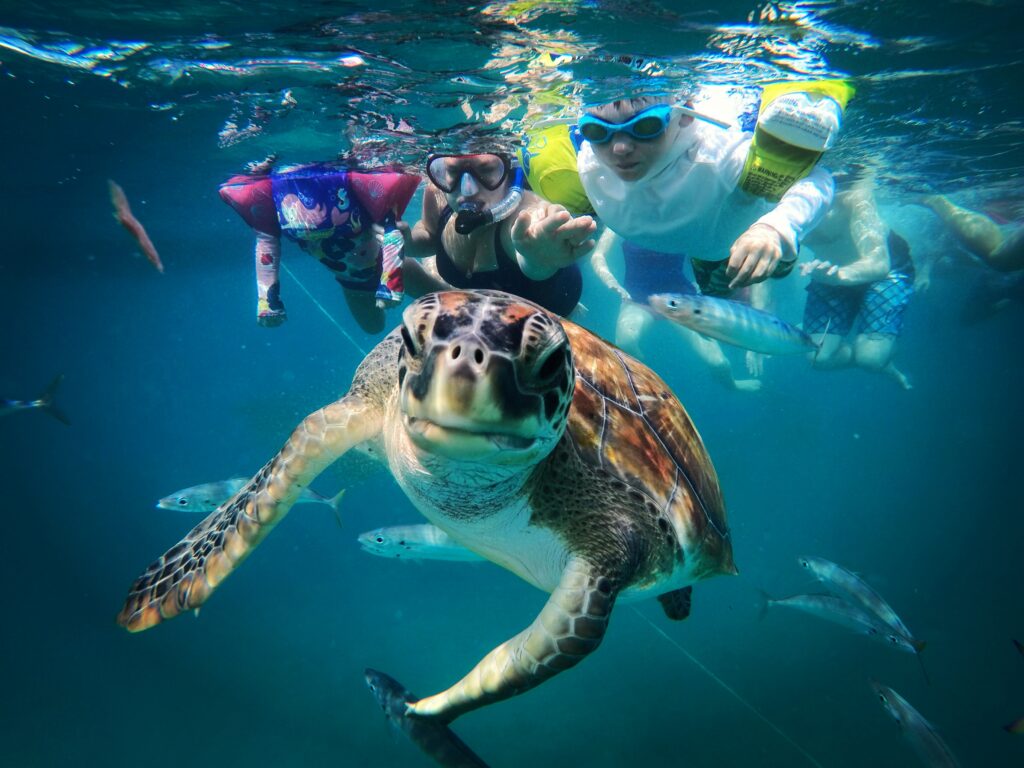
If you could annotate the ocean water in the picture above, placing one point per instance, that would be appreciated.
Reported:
(169, 382)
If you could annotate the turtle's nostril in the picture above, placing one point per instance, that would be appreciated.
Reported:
(478, 355)
(456, 351)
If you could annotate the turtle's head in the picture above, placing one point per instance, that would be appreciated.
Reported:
(484, 377)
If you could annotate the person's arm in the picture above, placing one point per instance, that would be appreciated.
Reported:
(776, 236)
(868, 233)
(599, 263)
(270, 309)
(421, 240)
(546, 237)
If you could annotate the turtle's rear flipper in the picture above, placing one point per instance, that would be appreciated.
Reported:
(677, 603)
(431, 735)
(186, 575)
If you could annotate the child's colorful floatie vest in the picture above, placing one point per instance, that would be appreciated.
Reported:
(796, 123)
(317, 201)
(548, 158)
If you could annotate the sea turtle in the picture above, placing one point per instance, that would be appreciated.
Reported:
(528, 440)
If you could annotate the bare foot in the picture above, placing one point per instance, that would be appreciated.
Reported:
(747, 385)
(899, 376)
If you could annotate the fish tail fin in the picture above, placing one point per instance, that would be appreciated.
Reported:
(46, 401)
(1016, 727)
(821, 343)
(431, 734)
(764, 601)
(335, 504)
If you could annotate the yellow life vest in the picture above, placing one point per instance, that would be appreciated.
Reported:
(790, 137)
(548, 159)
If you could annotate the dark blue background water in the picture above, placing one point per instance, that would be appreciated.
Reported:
(169, 382)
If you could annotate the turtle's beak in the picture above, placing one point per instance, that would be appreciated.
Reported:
(464, 403)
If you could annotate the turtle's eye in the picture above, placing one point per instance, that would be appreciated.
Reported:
(673, 304)
(554, 364)
(379, 539)
(696, 311)
(182, 501)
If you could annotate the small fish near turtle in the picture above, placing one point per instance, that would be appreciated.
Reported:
(526, 439)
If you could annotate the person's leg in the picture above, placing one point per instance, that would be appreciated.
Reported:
(873, 352)
(363, 306)
(1009, 257)
(880, 323)
(976, 231)
(828, 317)
(710, 351)
(632, 325)
(833, 352)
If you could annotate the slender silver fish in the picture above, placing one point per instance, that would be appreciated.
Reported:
(921, 734)
(734, 323)
(839, 611)
(415, 542)
(850, 585)
(203, 499)
(436, 739)
(44, 403)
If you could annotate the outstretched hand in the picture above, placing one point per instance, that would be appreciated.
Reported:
(754, 256)
(823, 271)
(549, 238)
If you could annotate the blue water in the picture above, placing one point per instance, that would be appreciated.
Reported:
(169, 383)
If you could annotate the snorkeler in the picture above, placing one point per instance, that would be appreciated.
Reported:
(675, 183)
(486, 231)
(864, 285)
(348, 219)
(980, 235)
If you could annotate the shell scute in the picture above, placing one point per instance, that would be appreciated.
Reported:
(626, 420)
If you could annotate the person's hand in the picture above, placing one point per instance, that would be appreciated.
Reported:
(549, 238)
(754, 256)
(923, 282)
(623, 293)
(755, 364)
(823, 271)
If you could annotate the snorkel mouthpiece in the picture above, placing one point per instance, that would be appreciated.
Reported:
(469, 217)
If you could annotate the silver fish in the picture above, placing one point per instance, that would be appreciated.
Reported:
(734, 323)
(203, 499)
(839, 611)
(921, 734)
(415, 542)
(436, 739)
(44, 403)
(852, 586)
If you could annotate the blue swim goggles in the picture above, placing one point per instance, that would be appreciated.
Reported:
(645, 125)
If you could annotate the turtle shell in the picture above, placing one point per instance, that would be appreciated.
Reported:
(625, 420)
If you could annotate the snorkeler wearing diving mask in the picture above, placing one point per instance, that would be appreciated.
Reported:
(487, 231)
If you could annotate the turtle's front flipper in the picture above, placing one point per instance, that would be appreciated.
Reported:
(571, 626)
(186, 574)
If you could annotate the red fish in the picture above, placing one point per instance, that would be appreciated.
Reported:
(123, 213)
